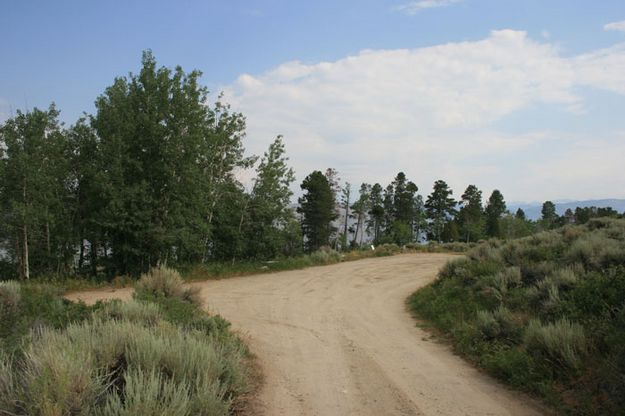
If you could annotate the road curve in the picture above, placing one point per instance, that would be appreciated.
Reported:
(337, 340)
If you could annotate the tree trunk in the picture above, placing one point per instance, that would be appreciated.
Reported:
(25, 264)
(18, 255)
(48, 248)
(234, 254)
(94, 257)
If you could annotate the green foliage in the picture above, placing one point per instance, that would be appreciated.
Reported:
(317, 209)
(266, 225)
(10, 296)
(35, 204)
(440, 207)
(495, 208)
(28, 306)
(470, 216)
(545, 313)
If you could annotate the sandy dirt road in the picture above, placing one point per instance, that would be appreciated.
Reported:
(337, 340)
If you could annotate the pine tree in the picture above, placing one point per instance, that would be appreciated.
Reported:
(440, 207)
(471, 214)
(495, 208)
(376, 213)
(317, 207)
(549, 215)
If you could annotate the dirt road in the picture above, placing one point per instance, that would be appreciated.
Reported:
(337, 340)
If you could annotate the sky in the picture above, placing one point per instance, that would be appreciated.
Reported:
(523, 96)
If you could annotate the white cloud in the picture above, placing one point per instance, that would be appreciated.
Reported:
(432, 112)
(619, 26)
(415, 7)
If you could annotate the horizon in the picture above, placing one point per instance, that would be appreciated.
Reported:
(525, 98)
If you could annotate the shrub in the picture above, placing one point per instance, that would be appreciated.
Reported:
(487, 324)
(496, 324)
(456, 267)
(325, 255)
(147, 313)
(498, 284)
(59, 376)
(121, 367)
(596, 251)
(165, 282)
(562, 341)
(485, 252)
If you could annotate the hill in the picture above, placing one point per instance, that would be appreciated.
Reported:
(544, 313)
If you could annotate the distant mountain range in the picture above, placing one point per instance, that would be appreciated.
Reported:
(532, 209)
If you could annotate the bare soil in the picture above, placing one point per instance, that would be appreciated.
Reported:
(337, 340)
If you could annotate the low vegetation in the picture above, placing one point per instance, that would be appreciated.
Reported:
(158, 354)
(545, 313)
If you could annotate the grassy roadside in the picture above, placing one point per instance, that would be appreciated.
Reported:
(157, 354)
(545, 314)
(223, 270)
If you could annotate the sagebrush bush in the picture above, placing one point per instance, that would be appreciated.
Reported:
(485, 252)
(563, 341)
(147, 313)
(496, 324)
(165, 282)
(114, 367)
(499, 283)
(487, 324)
(325, 255)
(595, 251)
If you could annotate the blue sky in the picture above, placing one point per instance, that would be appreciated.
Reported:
(525, 96)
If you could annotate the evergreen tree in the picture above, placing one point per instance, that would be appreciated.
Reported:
(495, 208)
(403, 210)
(471, 214)
(376, 213)
(549, 215)
(440, 207)
(317, 207)
(520, 214)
